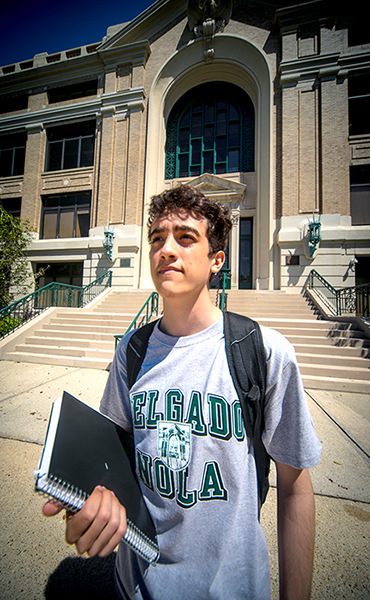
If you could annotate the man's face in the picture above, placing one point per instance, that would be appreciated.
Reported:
(179, 256)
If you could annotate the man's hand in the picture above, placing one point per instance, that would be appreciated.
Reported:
(98, 527)
(296, 532)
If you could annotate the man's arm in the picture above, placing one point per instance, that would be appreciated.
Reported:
(296, 532)
(98, 527)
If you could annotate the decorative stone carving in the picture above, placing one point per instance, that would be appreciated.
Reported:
(206, 18)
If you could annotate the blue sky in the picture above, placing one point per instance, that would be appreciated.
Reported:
(28, 27)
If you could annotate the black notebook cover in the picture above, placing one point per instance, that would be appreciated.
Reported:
(88, 450)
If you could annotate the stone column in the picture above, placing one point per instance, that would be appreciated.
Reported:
(33, 168)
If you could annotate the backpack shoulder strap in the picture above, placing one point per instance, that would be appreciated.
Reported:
(136, 349)
(247, 363)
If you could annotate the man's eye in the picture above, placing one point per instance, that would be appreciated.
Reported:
(188, 237)
(155, 239)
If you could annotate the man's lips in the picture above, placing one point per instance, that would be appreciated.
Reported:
(162, 270)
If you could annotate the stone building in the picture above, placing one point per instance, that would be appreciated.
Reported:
(263, 105)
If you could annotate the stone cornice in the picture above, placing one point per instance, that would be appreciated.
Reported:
(121, 102)
(44, 73)
(289, 18)
(322, 66)
(135, 54)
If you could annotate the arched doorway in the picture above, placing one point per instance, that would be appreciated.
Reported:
(242, 64)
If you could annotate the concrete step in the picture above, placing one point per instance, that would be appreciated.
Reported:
(299, 324)
(70, 334)
(56, 359)
(73, 313)
(324, 333)
(107, 345)
(356, 362)
(322, 370)
(72, 321)
(98, 327)
(341, 351)
(71, 350)
(315, 340)
(339, 384)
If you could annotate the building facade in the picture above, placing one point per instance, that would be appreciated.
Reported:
(264, 107)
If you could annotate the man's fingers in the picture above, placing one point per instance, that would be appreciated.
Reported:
(51, 508)
(99, 526)
(111, 528)
(77, 524)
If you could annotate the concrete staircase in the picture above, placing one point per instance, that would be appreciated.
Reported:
(81, 337)
(332, 355)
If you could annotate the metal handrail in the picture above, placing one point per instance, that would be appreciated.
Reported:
(54, 294)
(96, 287)
(150, 308)
(349, 300)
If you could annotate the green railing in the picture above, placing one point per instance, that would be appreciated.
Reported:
(144, 315)
(224, 284)
(350, 300)
(54, 294)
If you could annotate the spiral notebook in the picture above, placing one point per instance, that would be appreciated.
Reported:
(83, 448)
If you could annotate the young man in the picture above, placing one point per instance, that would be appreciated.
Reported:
(201, 490)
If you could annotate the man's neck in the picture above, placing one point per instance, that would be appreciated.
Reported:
(187, 318)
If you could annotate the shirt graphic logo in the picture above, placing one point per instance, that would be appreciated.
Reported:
(174, 444)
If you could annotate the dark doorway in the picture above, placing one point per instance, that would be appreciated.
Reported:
(362, 270)
(68, 272)
(245, 254)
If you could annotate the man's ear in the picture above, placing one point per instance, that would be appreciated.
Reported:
(218, 261)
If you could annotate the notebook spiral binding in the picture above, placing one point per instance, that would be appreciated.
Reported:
(73, 499)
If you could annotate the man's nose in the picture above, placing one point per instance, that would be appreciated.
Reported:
(169, 247)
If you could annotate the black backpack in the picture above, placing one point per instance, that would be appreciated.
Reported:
(247, 362)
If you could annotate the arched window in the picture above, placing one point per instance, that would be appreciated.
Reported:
(210, 130)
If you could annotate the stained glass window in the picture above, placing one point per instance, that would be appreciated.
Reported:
(210, 130)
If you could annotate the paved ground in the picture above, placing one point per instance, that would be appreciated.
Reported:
(35, 561)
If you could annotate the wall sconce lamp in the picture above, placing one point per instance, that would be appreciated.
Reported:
(108, 241)
(352, 263)
(314, 234)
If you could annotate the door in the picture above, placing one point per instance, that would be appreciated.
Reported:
(245, 253)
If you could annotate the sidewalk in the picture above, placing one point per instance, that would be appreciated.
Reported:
(37, 563)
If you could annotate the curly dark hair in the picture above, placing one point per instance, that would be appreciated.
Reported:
(185, 198)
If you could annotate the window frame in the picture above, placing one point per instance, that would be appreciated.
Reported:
(360, 182)
(60, 209)
(69, 138)
(73, 91)
(355, 98)
(13, 147)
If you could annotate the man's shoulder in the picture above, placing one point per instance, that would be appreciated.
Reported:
(276, 344)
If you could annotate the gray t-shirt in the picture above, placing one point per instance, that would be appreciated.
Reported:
(196, 467)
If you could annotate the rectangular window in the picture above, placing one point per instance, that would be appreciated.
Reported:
(65, 216)
(208, 162)
(70, 146)
(75, 90)
(12, 206)
(359, 104)
(183, 165)
(12, 154)
(14, 103)
(358, 29)
(360, 195)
